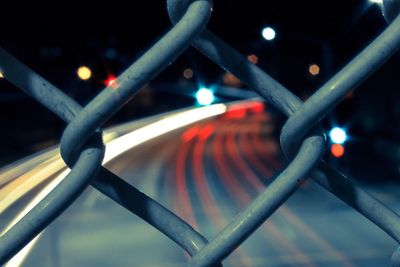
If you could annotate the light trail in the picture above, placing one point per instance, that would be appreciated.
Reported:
(113, 149)
(244, 199)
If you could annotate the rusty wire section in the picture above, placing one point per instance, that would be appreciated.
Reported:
(302, 138)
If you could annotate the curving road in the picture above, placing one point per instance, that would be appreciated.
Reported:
(205, 171)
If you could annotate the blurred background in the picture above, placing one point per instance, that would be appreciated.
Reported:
(205, 171)
(82, 48)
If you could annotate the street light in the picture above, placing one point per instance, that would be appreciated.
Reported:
(338, 135)
(268, 33)
(84, 73)
(205, 96)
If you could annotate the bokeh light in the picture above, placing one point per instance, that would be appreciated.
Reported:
(188, 73)
(111, 81)
(205, 96)
(84, 73)
(231, 80)
(313, 69)
(337, 150)
(268, 33)
(338, 135)
(252, 58)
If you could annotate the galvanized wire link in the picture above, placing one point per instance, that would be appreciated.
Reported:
(301, 120)
(86, 156)
(330, 94)
(302, 138)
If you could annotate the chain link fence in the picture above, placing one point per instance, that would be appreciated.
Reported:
(302, 138)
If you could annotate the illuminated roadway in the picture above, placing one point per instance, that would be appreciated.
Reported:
(205, 171)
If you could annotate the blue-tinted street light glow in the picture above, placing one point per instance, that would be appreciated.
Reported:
(205, 96)
(268, 33)
(338, 135)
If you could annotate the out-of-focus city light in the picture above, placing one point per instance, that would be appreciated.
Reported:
(111, 81)
(84, 73)
(111, 53)
(205, 96)
(231, 80)
(268, 33)
(188, 73)
(376, 1)
(337, 150)
(338, 135)
(252, 58)
(1, 75)
(313, 69)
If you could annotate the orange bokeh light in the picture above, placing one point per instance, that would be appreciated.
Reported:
(337, 150)
(188, 73)
(231, 80)
(252, 58)
(314, 69)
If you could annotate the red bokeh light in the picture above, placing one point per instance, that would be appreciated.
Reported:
(111, 81)
(337, 150)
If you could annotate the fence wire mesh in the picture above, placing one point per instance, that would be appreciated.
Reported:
(302, 138)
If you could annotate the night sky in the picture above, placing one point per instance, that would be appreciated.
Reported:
(55, 40)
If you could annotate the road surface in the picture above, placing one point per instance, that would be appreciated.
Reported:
(206, 172)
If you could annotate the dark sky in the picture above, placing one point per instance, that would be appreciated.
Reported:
(56, 39)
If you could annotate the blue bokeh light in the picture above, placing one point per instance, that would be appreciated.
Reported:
(338, 135)
(205, 96)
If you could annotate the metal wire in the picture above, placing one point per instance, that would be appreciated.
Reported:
(85, 160)
(302, 138)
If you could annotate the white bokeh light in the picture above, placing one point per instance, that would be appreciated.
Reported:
(338, 135)
(268, 33)
(205, 96)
